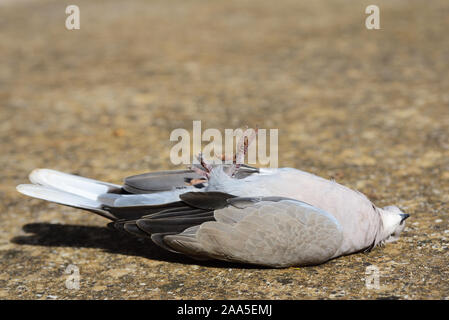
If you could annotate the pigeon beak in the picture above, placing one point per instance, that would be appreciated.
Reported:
(404, 216)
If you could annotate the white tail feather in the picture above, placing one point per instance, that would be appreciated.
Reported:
(58, 196)
(62, 197)
(84, 187)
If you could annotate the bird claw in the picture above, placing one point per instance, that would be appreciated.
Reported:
(242, 149)
(204, 169)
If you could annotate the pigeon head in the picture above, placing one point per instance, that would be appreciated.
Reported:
(393, 220)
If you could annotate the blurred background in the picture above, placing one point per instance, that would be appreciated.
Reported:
(369, 108)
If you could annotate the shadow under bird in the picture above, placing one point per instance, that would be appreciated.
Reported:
(269, 217)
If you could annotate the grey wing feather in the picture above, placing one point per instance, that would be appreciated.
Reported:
(136, 212)
(175, 225)
(169, 218)
(275, 234)
(171, 179)
(206, 200)
(269, 231)
(158, 181)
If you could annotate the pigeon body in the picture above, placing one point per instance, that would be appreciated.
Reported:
(359, 219)
(270, 217)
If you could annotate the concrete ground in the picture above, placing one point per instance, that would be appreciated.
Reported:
(367, 107)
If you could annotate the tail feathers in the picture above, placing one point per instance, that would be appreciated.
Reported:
(64, 198)
(88, 194)
(76, 185)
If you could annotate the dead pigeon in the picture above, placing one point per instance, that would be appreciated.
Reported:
(269, 217)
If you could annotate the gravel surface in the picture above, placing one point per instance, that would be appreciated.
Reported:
(369, 108)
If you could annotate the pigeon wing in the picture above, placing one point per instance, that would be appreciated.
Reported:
(172, 179)
(158, 181)
(277, 232)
